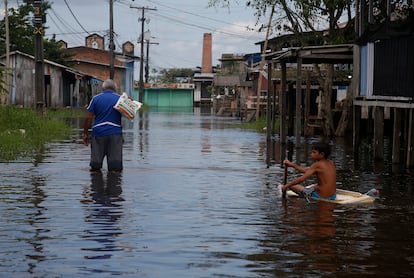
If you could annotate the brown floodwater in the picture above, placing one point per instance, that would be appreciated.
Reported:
(198, 198)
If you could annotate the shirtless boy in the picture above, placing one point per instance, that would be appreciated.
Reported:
(325, 172)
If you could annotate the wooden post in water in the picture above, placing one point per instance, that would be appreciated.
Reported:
(307, 129)
(378, 132)
(396, 136)
(298, 123)
(357, 127)
(269, 109)
(269, 112)
(410, 141)
(283, 104)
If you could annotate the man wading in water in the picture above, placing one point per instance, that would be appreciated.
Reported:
(106, 137)
(325, 172)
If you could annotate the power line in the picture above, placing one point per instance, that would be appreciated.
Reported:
(196, 15)
(63, 24)
(198, 26)
(70, 10)
(173, 18)
(181, 19)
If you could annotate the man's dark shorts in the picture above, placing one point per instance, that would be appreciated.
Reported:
(109, 146)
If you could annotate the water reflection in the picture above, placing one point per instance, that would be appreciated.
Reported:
(197, 200)
(302, 241)
(313, 235)
(35, 219)
(23, 218)
(103, 211)
(106, 192)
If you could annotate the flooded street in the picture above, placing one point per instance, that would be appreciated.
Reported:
(196, 199)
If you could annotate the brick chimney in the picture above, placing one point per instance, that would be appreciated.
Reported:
(207, 62)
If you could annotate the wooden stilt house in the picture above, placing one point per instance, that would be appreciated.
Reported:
(383, 101)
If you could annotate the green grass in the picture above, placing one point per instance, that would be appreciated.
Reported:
(259, 126)
(66, 113)
(23, 133)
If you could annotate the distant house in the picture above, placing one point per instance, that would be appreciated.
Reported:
(94, 60)
(235, 85)
(64, 86)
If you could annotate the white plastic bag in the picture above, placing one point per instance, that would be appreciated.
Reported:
(127, 106)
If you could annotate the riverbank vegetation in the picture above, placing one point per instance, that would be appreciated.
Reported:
(258, 125)
(24, 133)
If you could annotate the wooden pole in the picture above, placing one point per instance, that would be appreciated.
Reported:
(396, 136)
(111, 40)
(8, 68)
(307, 129)
(269, 103)
(410, 140)
(298, 124)
(39, 66)
(285, 171)
(357, 127)
(141, 59)
(379, 132)
(283, 104)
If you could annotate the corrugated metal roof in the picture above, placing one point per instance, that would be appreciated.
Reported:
(342, 53)
(68, 69)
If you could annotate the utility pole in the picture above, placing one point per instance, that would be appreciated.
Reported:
(111, 40)
(147, 62)
(6, 22)
(141, 64)
(39, 67)
(147, 59)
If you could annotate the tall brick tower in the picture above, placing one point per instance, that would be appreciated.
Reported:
(207, 60)
(204, 79)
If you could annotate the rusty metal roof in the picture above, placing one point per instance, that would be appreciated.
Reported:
(328, 54)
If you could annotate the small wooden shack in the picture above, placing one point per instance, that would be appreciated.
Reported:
(64, 86)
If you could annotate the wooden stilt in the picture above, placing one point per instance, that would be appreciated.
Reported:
(370, 121)
(357, 127)
(396, 136)
(291, 111)
(269, 110)
(308, 131)
(283, 104)
(298, 123)
(378, 132)
(410, 140)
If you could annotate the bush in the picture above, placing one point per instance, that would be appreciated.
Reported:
(23, 133)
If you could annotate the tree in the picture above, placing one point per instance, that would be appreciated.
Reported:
(22, 38)
(54, 52)
(172, 75)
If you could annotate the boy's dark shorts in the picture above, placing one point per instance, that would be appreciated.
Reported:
(311, 192)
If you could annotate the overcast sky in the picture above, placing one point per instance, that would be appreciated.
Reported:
(176, 25)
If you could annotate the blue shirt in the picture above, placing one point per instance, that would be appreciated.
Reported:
(107, 118)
